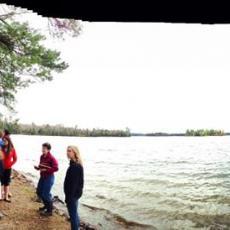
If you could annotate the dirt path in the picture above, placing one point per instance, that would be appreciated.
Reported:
(22, 213)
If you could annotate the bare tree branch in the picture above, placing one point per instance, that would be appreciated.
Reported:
(57, 27)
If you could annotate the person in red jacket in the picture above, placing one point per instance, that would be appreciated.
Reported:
(8, 161)
(47, 166)
(1, 158)
(10, 157)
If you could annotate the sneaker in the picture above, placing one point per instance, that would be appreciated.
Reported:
(46, 213)
(7, 200)
(41, 209)
(38, 200)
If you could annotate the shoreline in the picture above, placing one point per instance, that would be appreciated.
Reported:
(22, 212)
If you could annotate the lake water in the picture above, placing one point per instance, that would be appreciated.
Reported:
(144, 182)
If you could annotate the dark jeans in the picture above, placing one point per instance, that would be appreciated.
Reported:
(44, 187)
(6, 177)
(72, 207)
(1, 168)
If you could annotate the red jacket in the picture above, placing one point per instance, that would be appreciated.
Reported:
(10, 159)
(50, 162)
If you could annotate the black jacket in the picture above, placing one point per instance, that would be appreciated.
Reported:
(74, 182)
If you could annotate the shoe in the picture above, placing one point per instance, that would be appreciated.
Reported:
(41, 209)
(46, 214)
(38, 200)
(7, 200)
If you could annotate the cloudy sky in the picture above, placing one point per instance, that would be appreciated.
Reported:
(148, 77)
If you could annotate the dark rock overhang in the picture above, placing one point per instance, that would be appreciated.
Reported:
(127, 11)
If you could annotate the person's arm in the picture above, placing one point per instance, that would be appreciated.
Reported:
(54, 166)
(1, 143)
(14, 156)
(1, 155)
(81, 178)
(5, 142)
(37, 167)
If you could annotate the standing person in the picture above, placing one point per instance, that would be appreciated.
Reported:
(7, 146)
(9, 159)
(1, 159)
(47, 166)
(73, 185)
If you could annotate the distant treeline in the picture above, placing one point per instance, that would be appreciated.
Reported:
(204, 132)
(164, 134)
(158, 134)
(189, 132)
(59, 130)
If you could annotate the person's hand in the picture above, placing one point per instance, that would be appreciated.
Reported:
(43, 170)
(36, 167)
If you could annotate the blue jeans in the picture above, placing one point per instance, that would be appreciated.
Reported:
(44, 187)
(72, 207)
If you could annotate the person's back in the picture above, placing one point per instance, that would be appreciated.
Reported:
(1, 162)
(1, 156)
(1, 146)
(1, 170)
(1, 143)
(10, 159)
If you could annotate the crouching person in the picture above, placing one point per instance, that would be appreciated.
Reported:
(47, 166)
(73, 185)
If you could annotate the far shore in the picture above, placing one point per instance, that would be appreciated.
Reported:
(60, 130)
(132, 135)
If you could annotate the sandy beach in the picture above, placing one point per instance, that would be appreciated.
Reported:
(22, 213)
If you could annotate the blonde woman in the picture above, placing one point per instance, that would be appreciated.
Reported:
(73, 185)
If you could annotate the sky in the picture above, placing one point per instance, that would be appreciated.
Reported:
(150, 77)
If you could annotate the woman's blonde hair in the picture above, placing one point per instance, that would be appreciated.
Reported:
(77, 154)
